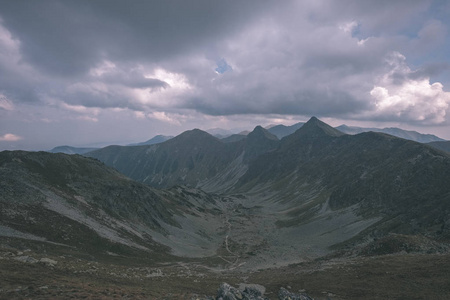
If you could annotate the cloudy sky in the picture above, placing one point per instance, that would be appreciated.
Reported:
(114, 72)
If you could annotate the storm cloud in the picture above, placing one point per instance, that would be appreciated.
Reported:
(178, 62)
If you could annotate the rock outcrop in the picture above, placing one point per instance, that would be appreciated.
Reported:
(253, 292)
(284, 294)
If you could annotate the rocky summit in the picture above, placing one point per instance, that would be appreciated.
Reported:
(317, 214)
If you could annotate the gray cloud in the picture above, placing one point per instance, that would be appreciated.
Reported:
(430, 70)
(68, 37)
(171, 60)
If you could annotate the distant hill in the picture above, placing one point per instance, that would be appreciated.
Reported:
(154, 140)
(404, 134)
(71, 150)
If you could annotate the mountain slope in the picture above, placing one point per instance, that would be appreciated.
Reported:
(257, 142)
(398, 182)
(233, 138)
(76, 195)
(186, 159)
(192, 158)
(154, 140)
(315, 173)
(78, 202)
(443, 145)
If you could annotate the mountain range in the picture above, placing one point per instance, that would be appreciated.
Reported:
(317, 175)
(279, 131)
(255, 203)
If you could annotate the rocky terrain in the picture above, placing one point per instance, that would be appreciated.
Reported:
(41, 271)
(319, 213)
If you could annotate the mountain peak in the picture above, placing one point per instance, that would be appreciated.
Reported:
(316, 128)
(195, 133)
(194, 136)
(259, 141)
(260, 132)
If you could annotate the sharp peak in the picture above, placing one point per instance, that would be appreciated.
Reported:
(259, 128)
(315, 127)
(260, 131)
(314, 119)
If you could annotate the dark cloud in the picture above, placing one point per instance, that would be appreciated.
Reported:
(302, 103)
(68, 37)
(176, 61)
(378, 18)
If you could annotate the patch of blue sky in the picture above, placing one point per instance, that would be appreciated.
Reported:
(223, 66)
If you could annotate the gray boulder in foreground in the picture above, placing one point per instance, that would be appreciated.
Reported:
(284, 294)
(227, 292)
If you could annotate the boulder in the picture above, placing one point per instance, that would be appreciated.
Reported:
(48, 261)
(284, 294)
(26, 259)
(250, 292)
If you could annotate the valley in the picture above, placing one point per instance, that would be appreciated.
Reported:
(333, 215)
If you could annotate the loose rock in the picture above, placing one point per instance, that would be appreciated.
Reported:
(26, 259)
(284, 294)
(48, 261)
(227, 292)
